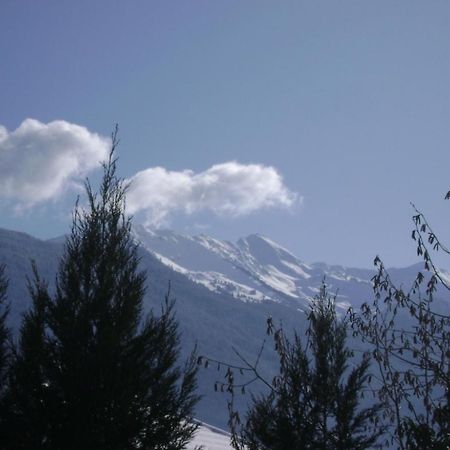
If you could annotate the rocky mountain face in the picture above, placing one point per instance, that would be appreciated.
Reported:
(224, 293)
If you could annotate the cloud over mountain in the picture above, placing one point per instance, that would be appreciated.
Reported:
(38, 161)
(228, 189)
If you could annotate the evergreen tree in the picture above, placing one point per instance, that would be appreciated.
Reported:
(99, 376)
(27, 403)
(314, 401)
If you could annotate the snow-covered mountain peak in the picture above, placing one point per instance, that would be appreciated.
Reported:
(268, 252)
(264, 246)
(254, 269)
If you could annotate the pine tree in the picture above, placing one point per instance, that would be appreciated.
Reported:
(314, 401)
(101, 375)
(27, 411)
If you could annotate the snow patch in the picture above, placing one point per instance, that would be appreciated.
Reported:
(210, 438)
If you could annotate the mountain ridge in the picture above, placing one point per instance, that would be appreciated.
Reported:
(224, 293)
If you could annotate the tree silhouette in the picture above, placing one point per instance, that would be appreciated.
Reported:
(408, 330)
(314, 400)
(90, 371)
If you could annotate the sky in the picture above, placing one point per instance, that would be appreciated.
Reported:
(316, 123)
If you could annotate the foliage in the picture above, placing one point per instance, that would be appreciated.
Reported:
(89, 371)
(314, 401)
(410, 336)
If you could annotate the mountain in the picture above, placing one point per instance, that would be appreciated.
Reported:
(210, 438)
(255, 269)
(215, 322)
(17, 252)
(224, 291)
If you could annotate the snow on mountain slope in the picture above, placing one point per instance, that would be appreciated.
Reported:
(248, 270)
(209, 320)
(210, 438)
(253, 269)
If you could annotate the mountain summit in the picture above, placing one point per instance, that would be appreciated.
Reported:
(253, 269)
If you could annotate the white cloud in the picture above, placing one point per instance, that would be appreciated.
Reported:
(228, 189)
(39, 161)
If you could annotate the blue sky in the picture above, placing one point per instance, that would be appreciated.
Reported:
(348, 102)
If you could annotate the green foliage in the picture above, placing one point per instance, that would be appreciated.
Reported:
(90, 372)
(314, 401)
